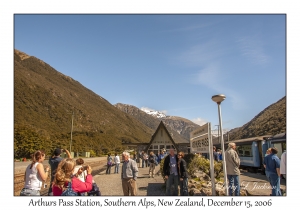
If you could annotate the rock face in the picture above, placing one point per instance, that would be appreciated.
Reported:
(178, 127)
(183, 126)
(203, 186)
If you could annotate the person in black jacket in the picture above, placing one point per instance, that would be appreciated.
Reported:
(183, 175)
(171, 172)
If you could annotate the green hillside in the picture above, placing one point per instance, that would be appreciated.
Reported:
(270, 121)
(44, 100)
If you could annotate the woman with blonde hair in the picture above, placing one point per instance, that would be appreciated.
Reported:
(65, 181)
(35, 174)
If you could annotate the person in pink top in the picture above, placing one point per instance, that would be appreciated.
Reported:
(64, 175)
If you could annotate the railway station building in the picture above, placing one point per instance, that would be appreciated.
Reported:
(161, 139)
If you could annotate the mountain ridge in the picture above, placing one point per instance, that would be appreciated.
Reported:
(269, 121)
(44, 100)
(175, 125)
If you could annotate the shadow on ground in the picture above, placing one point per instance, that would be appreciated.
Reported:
(155, 189)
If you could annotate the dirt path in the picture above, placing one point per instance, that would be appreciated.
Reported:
(111, 185)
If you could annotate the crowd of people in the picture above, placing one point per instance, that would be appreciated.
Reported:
(174, 169)
(68, 177)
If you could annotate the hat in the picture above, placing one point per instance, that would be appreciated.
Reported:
(57, 152)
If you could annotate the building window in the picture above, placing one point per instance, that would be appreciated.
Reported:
(156, 152)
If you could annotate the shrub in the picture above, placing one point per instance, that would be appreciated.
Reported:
(161, 168)
(218, 168)
(195, 163)
(92, 153)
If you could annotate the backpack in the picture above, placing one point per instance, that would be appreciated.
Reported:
(151, 159)
(69, 191)
(95, 191)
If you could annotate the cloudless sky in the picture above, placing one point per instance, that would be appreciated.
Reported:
(170, 63)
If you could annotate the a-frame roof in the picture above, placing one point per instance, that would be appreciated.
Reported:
(161, 125)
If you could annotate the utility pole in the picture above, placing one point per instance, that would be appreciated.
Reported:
(71, 132)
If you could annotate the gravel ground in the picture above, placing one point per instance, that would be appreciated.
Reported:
(257, 184)
(111, 185)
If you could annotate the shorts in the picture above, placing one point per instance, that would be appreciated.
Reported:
(29, 192)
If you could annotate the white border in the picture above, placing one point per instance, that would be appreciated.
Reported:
(9, 8)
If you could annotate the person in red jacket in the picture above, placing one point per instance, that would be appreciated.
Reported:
(64, 175)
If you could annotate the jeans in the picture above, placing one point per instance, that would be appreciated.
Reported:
(275, 183)
(172, 179)
(234, 184)
(143, 163)
(29, 192)
(267, 175)
(184, 187)
(117, 168)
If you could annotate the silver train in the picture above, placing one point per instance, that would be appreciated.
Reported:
(252, 150)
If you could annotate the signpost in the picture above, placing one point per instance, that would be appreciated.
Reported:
(201, 141)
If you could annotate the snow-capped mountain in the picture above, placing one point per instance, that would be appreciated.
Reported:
(179, 128)
(154, 113)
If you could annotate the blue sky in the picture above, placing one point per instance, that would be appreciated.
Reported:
(170, 63)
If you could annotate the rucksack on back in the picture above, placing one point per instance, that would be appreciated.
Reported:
(69, 191)
(151, 160)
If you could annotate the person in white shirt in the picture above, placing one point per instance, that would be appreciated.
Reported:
(117, 163)
(82, 175)
(35, 175)
(283, 165)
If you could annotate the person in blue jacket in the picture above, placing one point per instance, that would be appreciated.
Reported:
(272, 166)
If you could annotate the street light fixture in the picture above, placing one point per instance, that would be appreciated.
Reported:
(218, 99)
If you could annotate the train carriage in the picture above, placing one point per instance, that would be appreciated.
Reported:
(252, 150)
(278, 141)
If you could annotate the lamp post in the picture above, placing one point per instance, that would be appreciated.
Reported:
(218, 99)
(218, 133)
